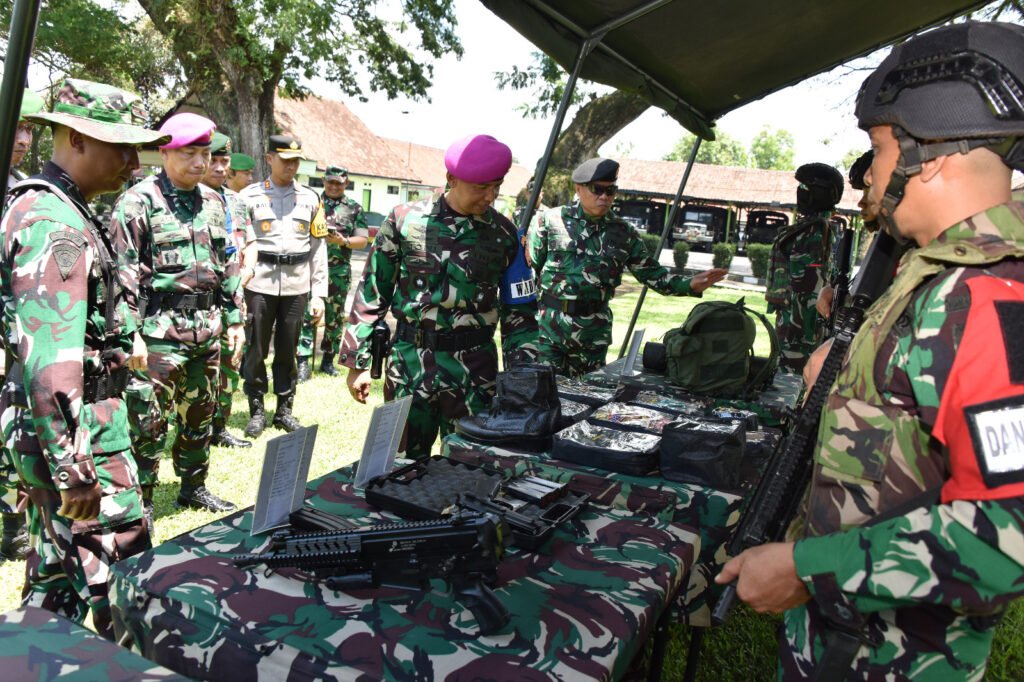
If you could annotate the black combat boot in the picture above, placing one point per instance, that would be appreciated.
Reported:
(304, 371)
(283, 417)
(195, 495)
(257, 417)
(524, 413)
(221, 436)
(15, 538)
(327, 365)
(147, 509)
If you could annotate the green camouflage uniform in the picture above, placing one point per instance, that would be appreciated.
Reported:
(581, 259)
(435, 270)
(237, 222)
(345, 218)
(181, 241)
(931, 582)
(54, 295)
(797, 271)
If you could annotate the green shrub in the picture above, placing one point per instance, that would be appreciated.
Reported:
(680, 254)
(722, 254)
(759, 255)
(651, 240)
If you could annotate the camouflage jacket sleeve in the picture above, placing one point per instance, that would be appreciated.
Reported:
(537, 242)
(373, 295)
(359, 227)
(50, 264)
(649, 271)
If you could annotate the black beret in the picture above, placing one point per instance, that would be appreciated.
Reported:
(594, 170)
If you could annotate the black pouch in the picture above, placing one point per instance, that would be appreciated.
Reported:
(703, 453)
(606, 448)
(572, 412)
(631, 418)
(582, 392)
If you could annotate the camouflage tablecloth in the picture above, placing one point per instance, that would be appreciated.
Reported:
(37, 645)
(581, 607)
(713, 512)
(770, 405)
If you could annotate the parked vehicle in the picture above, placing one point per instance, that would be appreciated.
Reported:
(647, 216)
(701, 226)
(762, 227)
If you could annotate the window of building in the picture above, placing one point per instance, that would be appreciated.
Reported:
(392, 189)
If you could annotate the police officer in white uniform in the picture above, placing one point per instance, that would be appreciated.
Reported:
(284, 269)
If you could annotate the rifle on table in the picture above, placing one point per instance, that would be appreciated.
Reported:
(464, 550)
(841, 282)
(777, 497)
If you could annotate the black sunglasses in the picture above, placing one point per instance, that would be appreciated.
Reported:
(609, 190)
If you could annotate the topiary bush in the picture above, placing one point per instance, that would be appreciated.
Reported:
(651, 240)
(759, 255)
(722, 254)
(680, 254)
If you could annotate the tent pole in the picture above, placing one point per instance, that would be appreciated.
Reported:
(556, 129)
(19, 50)
(661, 243)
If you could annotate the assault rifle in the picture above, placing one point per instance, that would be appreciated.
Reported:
(777, 498)
(464, 550)
(841, 282)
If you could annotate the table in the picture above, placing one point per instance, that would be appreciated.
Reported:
(39, 645)
(581, 607)
(713, 512)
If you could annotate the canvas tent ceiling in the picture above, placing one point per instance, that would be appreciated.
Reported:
(700, 60)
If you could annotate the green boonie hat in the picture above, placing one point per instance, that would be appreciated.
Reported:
(335, 172)
(31, 103)
(220, 145)
(102, 112)
(242, 162)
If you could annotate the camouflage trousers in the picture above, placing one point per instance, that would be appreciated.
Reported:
(915, 643)
(8, 483)
(334, 317)
(67, 567)
(799, 329)
(180, 381)
(573, 344)
(444, 387)
(229, 378)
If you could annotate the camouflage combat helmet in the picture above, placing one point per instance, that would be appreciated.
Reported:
(100, 111)
(949, 91)
(821, 187)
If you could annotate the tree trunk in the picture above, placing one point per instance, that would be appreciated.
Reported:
(595, 123)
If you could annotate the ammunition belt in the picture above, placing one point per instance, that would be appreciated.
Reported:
(571, 307)
(450, 341)
(283, 258)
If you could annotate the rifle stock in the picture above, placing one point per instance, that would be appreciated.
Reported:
(464, 550)
(778, 495)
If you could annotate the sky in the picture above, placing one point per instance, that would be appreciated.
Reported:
(465, 100)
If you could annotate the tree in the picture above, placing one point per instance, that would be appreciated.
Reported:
(726, 150)
(849, 158)
(773, 149)
(236, 54)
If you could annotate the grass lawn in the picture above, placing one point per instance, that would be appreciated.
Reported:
(743, 650)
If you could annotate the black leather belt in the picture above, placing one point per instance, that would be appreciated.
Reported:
(571, 307)
(283, 258)
(162, 300)
(450, 341)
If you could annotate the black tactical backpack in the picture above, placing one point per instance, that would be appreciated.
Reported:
(712, 353)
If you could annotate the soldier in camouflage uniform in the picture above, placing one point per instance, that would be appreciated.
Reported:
(346, 230)
(580, 252)
(237, 222)
(799, 264)
(70, 332)
(15, 540)
(913, 539)
(188, 296)
(437, 267)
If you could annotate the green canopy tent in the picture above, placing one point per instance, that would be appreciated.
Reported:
(700, 60)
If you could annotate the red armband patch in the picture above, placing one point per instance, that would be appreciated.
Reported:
(981, 413)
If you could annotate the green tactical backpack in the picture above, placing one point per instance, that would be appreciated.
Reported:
(712, 353)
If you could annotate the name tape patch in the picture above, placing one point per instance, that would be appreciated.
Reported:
(997, 431)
